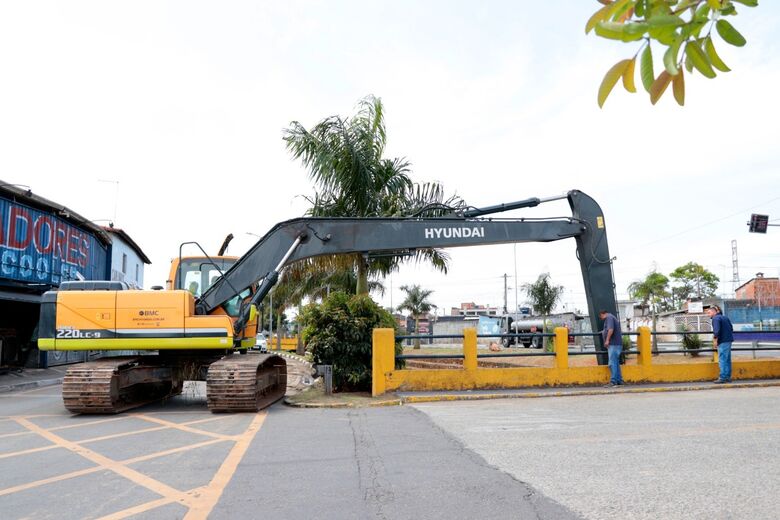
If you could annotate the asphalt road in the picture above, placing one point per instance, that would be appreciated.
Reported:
(688, 455)
(705, 454)
(177, 460)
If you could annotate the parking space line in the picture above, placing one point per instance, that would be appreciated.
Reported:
(210, 496)
(109, 464)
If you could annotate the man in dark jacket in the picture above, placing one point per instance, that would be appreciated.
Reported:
(722, 337)
(613, 340)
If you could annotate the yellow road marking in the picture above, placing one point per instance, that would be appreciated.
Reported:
(105, 462)
(208, 499)
(88, 423)
(199, 501)
(51, 480)
(27, 452)
(148, 506)
(184, 428)
(143, 458)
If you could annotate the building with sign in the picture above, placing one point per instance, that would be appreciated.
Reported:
(42, 244)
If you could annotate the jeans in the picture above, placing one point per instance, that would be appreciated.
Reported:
(724, 360)
(614, 351)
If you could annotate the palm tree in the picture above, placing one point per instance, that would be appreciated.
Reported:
(416, 302)
(345, 160)
(652, 291)
(543, 296)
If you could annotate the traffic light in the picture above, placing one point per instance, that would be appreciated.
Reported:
(758, 223)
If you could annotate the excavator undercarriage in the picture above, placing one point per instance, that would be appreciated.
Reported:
(234, 383)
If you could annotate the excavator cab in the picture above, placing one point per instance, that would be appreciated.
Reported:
(198, 274)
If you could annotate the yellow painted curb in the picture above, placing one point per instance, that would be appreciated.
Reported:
(412, 399)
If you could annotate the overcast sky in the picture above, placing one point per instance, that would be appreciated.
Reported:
(181, 107)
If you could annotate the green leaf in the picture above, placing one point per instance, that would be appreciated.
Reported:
(702, 13)
(727, 10)
(628, 76)
(670, 58)
(665, 20)
(678, 88)
(709, 47)
(646, 68)
(664, 35)
(610, 78)
(729, 33)
(639, 8)
(659, 86)
(618, 8)
(699, 59)
(610, 30)
(715, 5)
(688, 63)
(749, 3)
(598, 16)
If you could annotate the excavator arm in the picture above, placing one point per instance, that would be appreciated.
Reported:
(303, 238)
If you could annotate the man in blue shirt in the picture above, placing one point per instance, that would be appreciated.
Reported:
(613, 340)
(722, 337)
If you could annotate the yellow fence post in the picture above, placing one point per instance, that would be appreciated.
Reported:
(644, 344)
(382, 359)
(470, 349)
(561, 342)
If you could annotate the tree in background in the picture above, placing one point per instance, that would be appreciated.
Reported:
(683, 31)
(416, 302)
(345, 160)
(693, 280)
(652, 291)
(543, 295)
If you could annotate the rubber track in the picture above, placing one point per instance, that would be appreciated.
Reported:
(245, 383)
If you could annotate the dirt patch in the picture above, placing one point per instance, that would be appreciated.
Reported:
(314, 397)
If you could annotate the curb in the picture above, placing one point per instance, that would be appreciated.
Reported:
(379, 404)
(27, 385)
(412, 399)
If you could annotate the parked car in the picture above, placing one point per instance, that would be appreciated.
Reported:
(261, 343)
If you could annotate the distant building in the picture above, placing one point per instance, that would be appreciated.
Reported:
(472, 309)
(127, 259)
(764, 291)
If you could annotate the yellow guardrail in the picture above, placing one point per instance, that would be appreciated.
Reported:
(386, 378)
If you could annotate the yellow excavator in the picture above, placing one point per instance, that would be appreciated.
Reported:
(202, 326)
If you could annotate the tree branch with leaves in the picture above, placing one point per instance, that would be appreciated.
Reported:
(683, 31)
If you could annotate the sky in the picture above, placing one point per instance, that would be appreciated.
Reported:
(167, 118)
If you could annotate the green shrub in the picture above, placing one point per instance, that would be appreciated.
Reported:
(339, 332)
(691, 342)
(626, 342)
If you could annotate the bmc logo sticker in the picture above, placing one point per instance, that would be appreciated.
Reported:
(148, 313)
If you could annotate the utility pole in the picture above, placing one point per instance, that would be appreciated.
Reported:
(505, 293)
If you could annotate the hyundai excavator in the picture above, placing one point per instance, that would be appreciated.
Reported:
(201, 327)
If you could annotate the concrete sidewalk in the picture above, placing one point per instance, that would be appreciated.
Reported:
(28, 378)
